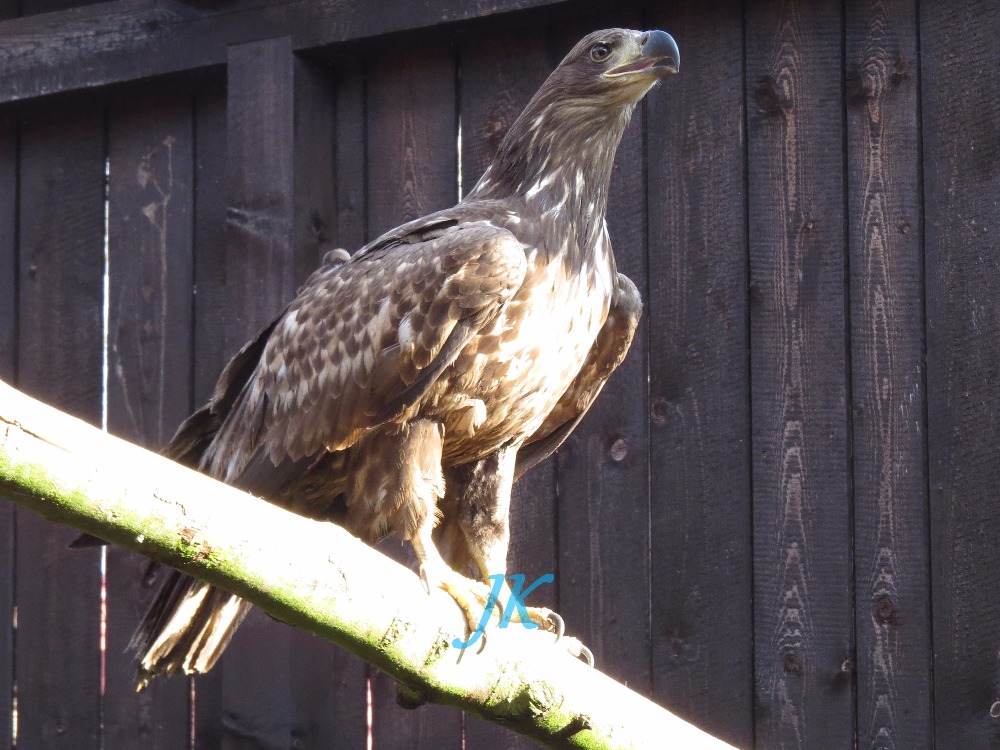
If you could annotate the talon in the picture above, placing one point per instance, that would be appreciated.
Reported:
(423, 577)
(558, 624)
(587, 656)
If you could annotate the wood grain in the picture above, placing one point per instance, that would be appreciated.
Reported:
(698, 408)
(150, 199)
(891, 558)
(57, 662)
(803, 615)
(412, 170)
(961, 147)
(350, 156)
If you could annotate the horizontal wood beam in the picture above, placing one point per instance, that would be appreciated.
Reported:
(125, 40)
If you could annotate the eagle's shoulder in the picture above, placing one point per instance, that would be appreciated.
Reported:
(364, 339)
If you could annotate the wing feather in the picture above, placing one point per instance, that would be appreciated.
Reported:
(364, 340)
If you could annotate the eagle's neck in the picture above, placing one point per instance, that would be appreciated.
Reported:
(558, 158)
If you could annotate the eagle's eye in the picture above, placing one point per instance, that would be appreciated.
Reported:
(600, 51)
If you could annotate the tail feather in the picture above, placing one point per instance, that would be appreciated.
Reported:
(186, 629)
(190, 623)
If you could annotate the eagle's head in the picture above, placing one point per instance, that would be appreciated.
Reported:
(614, 67)
(563, 144)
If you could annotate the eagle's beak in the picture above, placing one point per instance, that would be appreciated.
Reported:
(658, 57)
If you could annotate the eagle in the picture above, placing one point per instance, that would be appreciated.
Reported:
(406, 387)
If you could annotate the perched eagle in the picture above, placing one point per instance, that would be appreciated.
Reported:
(406, 387)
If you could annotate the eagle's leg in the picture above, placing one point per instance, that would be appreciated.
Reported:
(479, 493)
(406, 497)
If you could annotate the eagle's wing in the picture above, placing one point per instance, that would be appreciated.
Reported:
(362, 341)
(605, 355)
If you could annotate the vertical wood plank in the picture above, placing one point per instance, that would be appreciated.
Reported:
(8, 249)
(412, 170)
(261, 276)
(210, 304)
(803, 617)
(8, 372)
(57, 662)
(699, 412)
(499, 74)
(329, 685)
(891, 562)
(8, 9)
(602, 468)
(150, 199)
(350, 154)
(315, 202)
(961, 132)
(210, 322)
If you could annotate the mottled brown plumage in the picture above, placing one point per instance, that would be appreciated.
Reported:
(417, 378)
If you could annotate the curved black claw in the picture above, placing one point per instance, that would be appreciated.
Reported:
(558, 623)
(587, 655)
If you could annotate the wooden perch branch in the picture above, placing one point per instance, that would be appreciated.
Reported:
(318, 577)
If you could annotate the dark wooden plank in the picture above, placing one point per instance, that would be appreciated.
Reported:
(350, 156)
(891, 565)
(8, 250)
(8, 372)
(210, 308)
(8, 9)
(412, 146)
(315, 202)
(210, 321)
(602, 469)
(412, 170)
(803, 616)
(699, 411)
(58, 662)
(499, 74)
(33, 7)
(126, 40)
(961, 146)
(261, 276)
(150, 278)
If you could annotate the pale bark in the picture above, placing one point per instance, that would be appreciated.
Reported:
(318, 577)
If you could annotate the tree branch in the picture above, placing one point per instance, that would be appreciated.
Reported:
(318, 577)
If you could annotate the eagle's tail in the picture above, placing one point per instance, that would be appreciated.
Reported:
(186, 629)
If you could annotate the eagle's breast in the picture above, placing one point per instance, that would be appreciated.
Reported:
(510, 376)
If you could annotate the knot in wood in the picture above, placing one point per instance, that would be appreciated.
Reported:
(885, 608)
(619, 450)
(766, 96)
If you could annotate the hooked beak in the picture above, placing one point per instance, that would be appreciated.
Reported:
(659, 57)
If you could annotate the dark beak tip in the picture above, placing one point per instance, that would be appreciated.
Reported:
(660, 44)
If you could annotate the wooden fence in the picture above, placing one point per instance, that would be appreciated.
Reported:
(781, 519)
